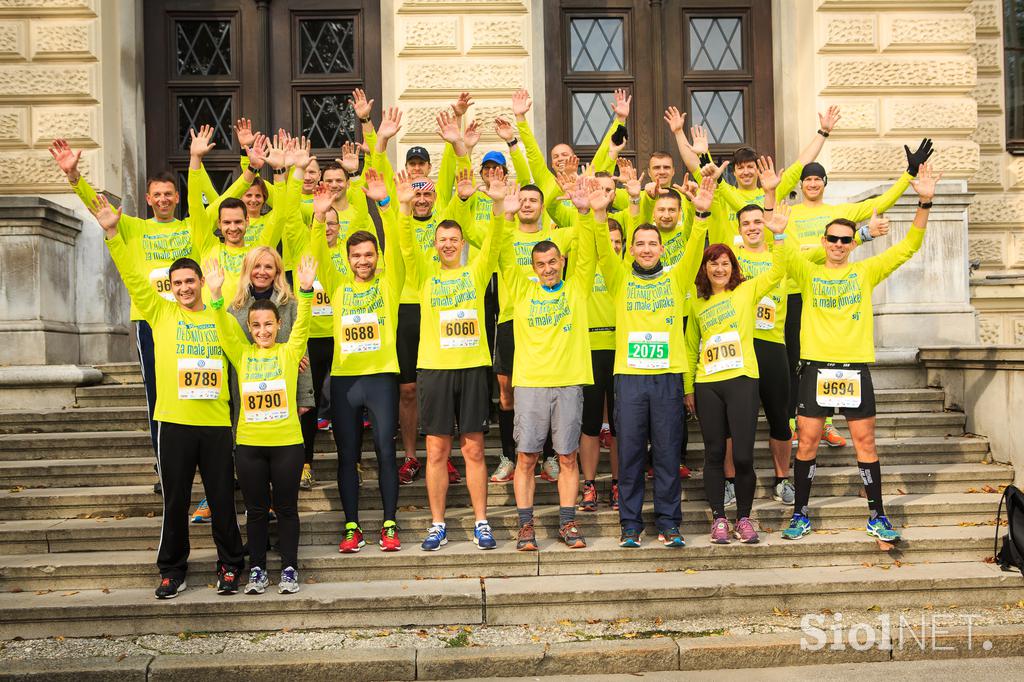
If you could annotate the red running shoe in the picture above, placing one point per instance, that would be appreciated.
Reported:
(353, 540)
(453, 473)
(409, 470)
(684, 471)
(389, 541)
(605, 438)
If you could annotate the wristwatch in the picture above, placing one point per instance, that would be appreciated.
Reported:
(702, 214)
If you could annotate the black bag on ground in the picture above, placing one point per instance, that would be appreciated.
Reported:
(1011, 555)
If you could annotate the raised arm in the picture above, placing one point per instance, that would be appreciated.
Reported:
(394, 263)
(232, 338)
(885, 263)
(416, 262)
(863, 209)
(507, 132)
(783, 254)
(593, 223)
(603, 159)
(826, 122)
(306, 273)
(685, 271)
(486, 262)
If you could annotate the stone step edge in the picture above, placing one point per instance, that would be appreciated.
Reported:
(653, 652)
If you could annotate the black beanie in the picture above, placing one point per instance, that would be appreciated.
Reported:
(814, 169)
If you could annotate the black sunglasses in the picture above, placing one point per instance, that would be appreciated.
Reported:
(834, 238)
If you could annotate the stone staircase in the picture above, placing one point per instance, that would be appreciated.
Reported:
(79, 525)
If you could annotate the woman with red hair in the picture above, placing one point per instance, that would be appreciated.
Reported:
(721, 385)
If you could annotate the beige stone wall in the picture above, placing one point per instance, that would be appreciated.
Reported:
(443, 47)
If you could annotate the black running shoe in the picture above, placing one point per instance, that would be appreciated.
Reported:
(169, 588)
(227, 581)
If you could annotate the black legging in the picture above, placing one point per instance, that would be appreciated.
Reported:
(378, 394)
(773, 386)
(728, 408)
(794, 309)
(260, 469)
(321, 355)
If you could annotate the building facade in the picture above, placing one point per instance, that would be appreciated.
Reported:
(125, 79)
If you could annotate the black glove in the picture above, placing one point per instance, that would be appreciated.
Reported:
(705, 159)
(915, 159)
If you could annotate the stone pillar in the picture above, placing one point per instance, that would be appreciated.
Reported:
(37, 276)
(928, 300)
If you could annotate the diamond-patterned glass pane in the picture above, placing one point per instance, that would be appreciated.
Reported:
(591, 116)
(721, 112)
(327, 120)
(197, 110)
(596, 45)
(327, 46)
(203, 48)
(716, 44)
(221, 180)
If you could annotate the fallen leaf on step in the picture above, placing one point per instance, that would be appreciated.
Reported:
(779, 612)
(69, 594)
(405, 587)
(1020, 604)
(867, 564)
(43, 591)
(690, 571)
(418, 577)
(883, 567)
(210, 585)
(150, 515)
(826, 612)
(120, 516)
(593, 621)
(105, 590)
(565, 623)
(286, 629)
(17, 489)
(927, 607)
(422, 634)
(620, 621)
(659, 570)
(990, 560)
(311, 581)
(629, 635)
(876, 607)
(901, 491)
(121, 657)
(657, 635)
(898, 563)
(535, 638)
(16, 590)
(972, 490)
(989, 489)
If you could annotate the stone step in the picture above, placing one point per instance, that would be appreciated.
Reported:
(513, 600)
(139, 500)
(106, 463)
(75, 421)
(121, 373)
(323, 563)
(111, 395)
(323, 528)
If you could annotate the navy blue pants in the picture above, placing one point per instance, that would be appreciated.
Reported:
(144, 343)
(649, 408)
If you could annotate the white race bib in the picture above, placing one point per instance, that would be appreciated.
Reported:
(838, 388)
(360, 333)
(764, 317)
(265, 401)
(647, 350)
(321, 301)
(200, 378)
(722, 352)
(160, 278)
(459, 328)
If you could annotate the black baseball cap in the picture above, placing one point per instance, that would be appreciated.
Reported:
(417, 153)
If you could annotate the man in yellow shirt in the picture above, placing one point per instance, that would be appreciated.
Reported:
(551, 321)
(194, 422)
(837, 346)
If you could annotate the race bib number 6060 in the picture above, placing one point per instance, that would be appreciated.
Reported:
(459, 328)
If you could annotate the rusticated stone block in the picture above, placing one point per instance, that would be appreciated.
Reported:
(999, 209)
(989, 55)
(476, 75)
(990, 329)
(945, 31)
(990, 174)
(419, 121)
(433, 35)
(932, 114)
(34, 171)
(71, 81)
(14, 127)
(52, 39)
(986, 16)
(1018, 332)
(77, 124)
(989, 94)
(47, 6)
(846, 33)
(507, 34)
(13, 40)
(884, 73)
(957, 158)
(858, 115)
(464, 6)
(989, 251)
(1015, 169)
(989, 134)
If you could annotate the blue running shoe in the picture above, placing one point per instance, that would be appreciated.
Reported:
(879, 527)
(436, 538)
(630, 538)
(671, 538)
(483, 536)
(799, 526)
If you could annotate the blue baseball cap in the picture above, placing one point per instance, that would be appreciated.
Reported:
(494, 157)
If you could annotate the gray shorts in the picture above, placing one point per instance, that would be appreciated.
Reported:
(539, 410)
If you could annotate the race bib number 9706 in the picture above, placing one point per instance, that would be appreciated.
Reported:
(838, 388)
(722, 352)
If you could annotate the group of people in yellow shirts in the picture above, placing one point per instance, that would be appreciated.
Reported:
(610, 304)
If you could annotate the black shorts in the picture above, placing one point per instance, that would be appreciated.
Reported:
(504, 348)
(807, 403)
(773, 386)
(408, 341)
(595, 395)
(452, 401)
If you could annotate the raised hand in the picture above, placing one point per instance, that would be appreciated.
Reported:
(323, 197)
(244, 133)
(504, 129)
(390, 123)
(349, 158)
(301, 156)
(462, 104)
(106, 215)
(635, 185)
(878, 226)
(579, 194)
(201, 141)
(779, 219)
(688, 188)
(275, 154)
(448, 128)
(512, 201)
(924, 183)
(521, 103)
(471, 135)
(306, 272)
(374, 186)
(766, 174)
(829, 119)
(620, 107)
(919, 156)
(403, 189)
(675, 120)
(713, 170)
(213, 273)
(654, 189)
(567, 180)
(701, 200)
(66, 158)
(257, 152)
(597, 198)
(464, 184)
(360, 105)
(699, 140)
(497, 188)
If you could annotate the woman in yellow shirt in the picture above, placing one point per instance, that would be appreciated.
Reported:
(268, 453)
(722, 379)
